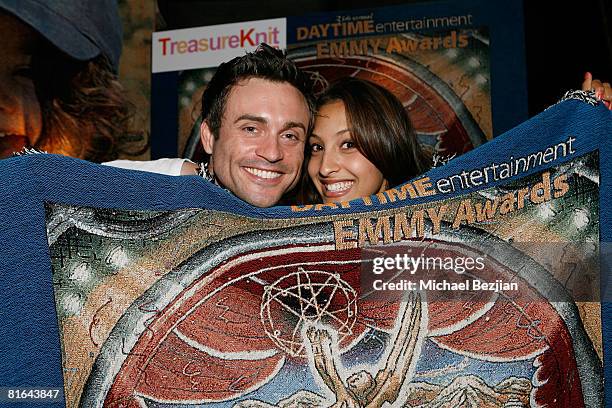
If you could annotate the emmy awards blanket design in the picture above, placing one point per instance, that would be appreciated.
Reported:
(481, 283)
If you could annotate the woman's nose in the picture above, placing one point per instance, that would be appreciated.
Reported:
(329, 163)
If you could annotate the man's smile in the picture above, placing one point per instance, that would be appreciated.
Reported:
(264, 174)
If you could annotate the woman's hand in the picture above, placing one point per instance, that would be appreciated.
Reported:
(603, 91)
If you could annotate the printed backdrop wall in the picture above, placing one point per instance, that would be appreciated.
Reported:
(449, 63)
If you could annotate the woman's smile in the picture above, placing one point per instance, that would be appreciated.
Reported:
(339, 171)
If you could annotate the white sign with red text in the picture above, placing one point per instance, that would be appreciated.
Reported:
(209, 46)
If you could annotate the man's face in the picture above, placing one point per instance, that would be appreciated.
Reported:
(20, 113)
(260, 149)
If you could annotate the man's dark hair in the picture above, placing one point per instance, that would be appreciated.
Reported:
(266, 63)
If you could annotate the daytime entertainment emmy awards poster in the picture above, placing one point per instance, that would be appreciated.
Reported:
(444, 61)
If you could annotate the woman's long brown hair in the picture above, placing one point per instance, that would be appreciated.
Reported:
(381, 130)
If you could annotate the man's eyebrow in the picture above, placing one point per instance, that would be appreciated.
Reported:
(254, 118)
(290, 125)
(260, 119)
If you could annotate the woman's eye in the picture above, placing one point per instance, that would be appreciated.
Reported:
(349, 144)
(315, 148)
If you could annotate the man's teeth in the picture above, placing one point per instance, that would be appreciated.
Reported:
(335, 187)
(266, 174)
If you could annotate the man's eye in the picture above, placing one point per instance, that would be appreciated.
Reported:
(250, 129)
(291, 136)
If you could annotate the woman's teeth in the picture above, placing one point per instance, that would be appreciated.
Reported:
(336, 187)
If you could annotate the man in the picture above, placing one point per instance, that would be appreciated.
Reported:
(256, 112)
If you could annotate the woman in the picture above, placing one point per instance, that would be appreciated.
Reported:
(362, 143)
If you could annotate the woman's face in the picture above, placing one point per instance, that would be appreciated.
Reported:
(338, 170)
(20, 112)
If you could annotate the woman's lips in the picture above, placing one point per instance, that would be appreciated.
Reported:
(337, 188)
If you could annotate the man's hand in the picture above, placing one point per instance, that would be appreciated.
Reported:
(603, 91)
(189, 169)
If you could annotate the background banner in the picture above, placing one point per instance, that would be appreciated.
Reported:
(448, 62)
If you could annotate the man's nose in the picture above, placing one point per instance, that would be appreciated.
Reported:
(329, 163)
(270, 149)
